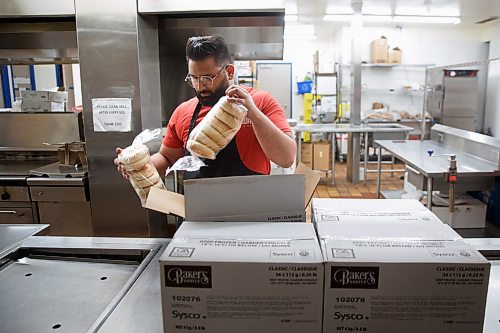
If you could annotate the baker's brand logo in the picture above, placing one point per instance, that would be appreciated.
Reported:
(354, 277)
(188, 276)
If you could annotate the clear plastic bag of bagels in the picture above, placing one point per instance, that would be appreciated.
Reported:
(216, 129)
(136, 161)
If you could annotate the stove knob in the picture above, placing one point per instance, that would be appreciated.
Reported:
(5, 196)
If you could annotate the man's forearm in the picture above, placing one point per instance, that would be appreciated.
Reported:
(278, 146)
(161, 163)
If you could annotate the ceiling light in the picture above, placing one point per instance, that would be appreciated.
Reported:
(426, 19)
(427, 11)
(365, 18)
(372, 10)
(337, 18)
(377, 18)
(291, 18)
(336, 10)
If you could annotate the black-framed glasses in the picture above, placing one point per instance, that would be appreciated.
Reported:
(204, 80)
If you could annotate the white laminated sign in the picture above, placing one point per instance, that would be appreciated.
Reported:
(112, 114)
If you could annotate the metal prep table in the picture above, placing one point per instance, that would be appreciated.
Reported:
(13, 234)
(332, 129)
(478, 159)
(81, 284)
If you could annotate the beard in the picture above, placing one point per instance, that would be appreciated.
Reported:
(214, 97)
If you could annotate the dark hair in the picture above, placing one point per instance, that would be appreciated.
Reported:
(202, 47)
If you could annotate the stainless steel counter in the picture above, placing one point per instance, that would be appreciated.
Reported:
(473, 172)
(351, 128)
(332, 129)
(415, 154)
(12, 235)
(137, 308)
(76, 284)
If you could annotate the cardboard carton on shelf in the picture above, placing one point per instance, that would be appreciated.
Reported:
(379, 51)
(277, 198)
(395, 55)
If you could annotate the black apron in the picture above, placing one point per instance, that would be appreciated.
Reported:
(227, 162)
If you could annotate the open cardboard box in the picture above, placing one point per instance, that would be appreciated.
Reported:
(280, 198)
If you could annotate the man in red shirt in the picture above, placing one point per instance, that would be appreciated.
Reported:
(264, 135)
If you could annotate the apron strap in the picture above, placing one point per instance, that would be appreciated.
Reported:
(192, 124)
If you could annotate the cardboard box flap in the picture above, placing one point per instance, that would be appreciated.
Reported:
(312, 180)
(229, 197)
(166, 202)
(242, 195)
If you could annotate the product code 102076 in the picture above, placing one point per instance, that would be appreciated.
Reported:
(186, 298)
(350, 299)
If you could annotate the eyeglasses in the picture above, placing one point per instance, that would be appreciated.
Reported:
(204, 80)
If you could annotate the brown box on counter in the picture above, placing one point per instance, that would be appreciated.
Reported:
(322, 156)
(306, 154)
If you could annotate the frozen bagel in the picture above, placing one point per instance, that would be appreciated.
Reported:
(227, 118)
(214, 135)
(200, 150)
(145, 172)
(143, 192)
(221, 127)
(149, 181)
(205, 139)
(134, 157)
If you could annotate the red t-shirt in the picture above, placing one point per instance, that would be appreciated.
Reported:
(249, 149)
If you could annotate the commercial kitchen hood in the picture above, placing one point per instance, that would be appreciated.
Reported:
(250, 36)
(252, 29)
(26, 41)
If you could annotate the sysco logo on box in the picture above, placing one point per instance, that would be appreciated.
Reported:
(354, 277)
(188, 276)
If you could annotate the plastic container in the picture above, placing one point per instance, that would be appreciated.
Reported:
(304, 87)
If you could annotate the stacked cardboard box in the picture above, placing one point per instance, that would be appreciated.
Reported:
(306, 154)
(242, 277)
(43, 101)
(396, 268)
(372, 210)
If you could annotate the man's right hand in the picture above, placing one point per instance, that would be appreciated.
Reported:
(118, 165)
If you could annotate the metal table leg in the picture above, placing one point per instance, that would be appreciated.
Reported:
(365, 157)
(333, 158)
(379, 170)
(298, 140)
(429, 192)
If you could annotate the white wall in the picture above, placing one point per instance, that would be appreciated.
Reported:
(492, 114)
(300, 53)
(421, 45)
(45, 77)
